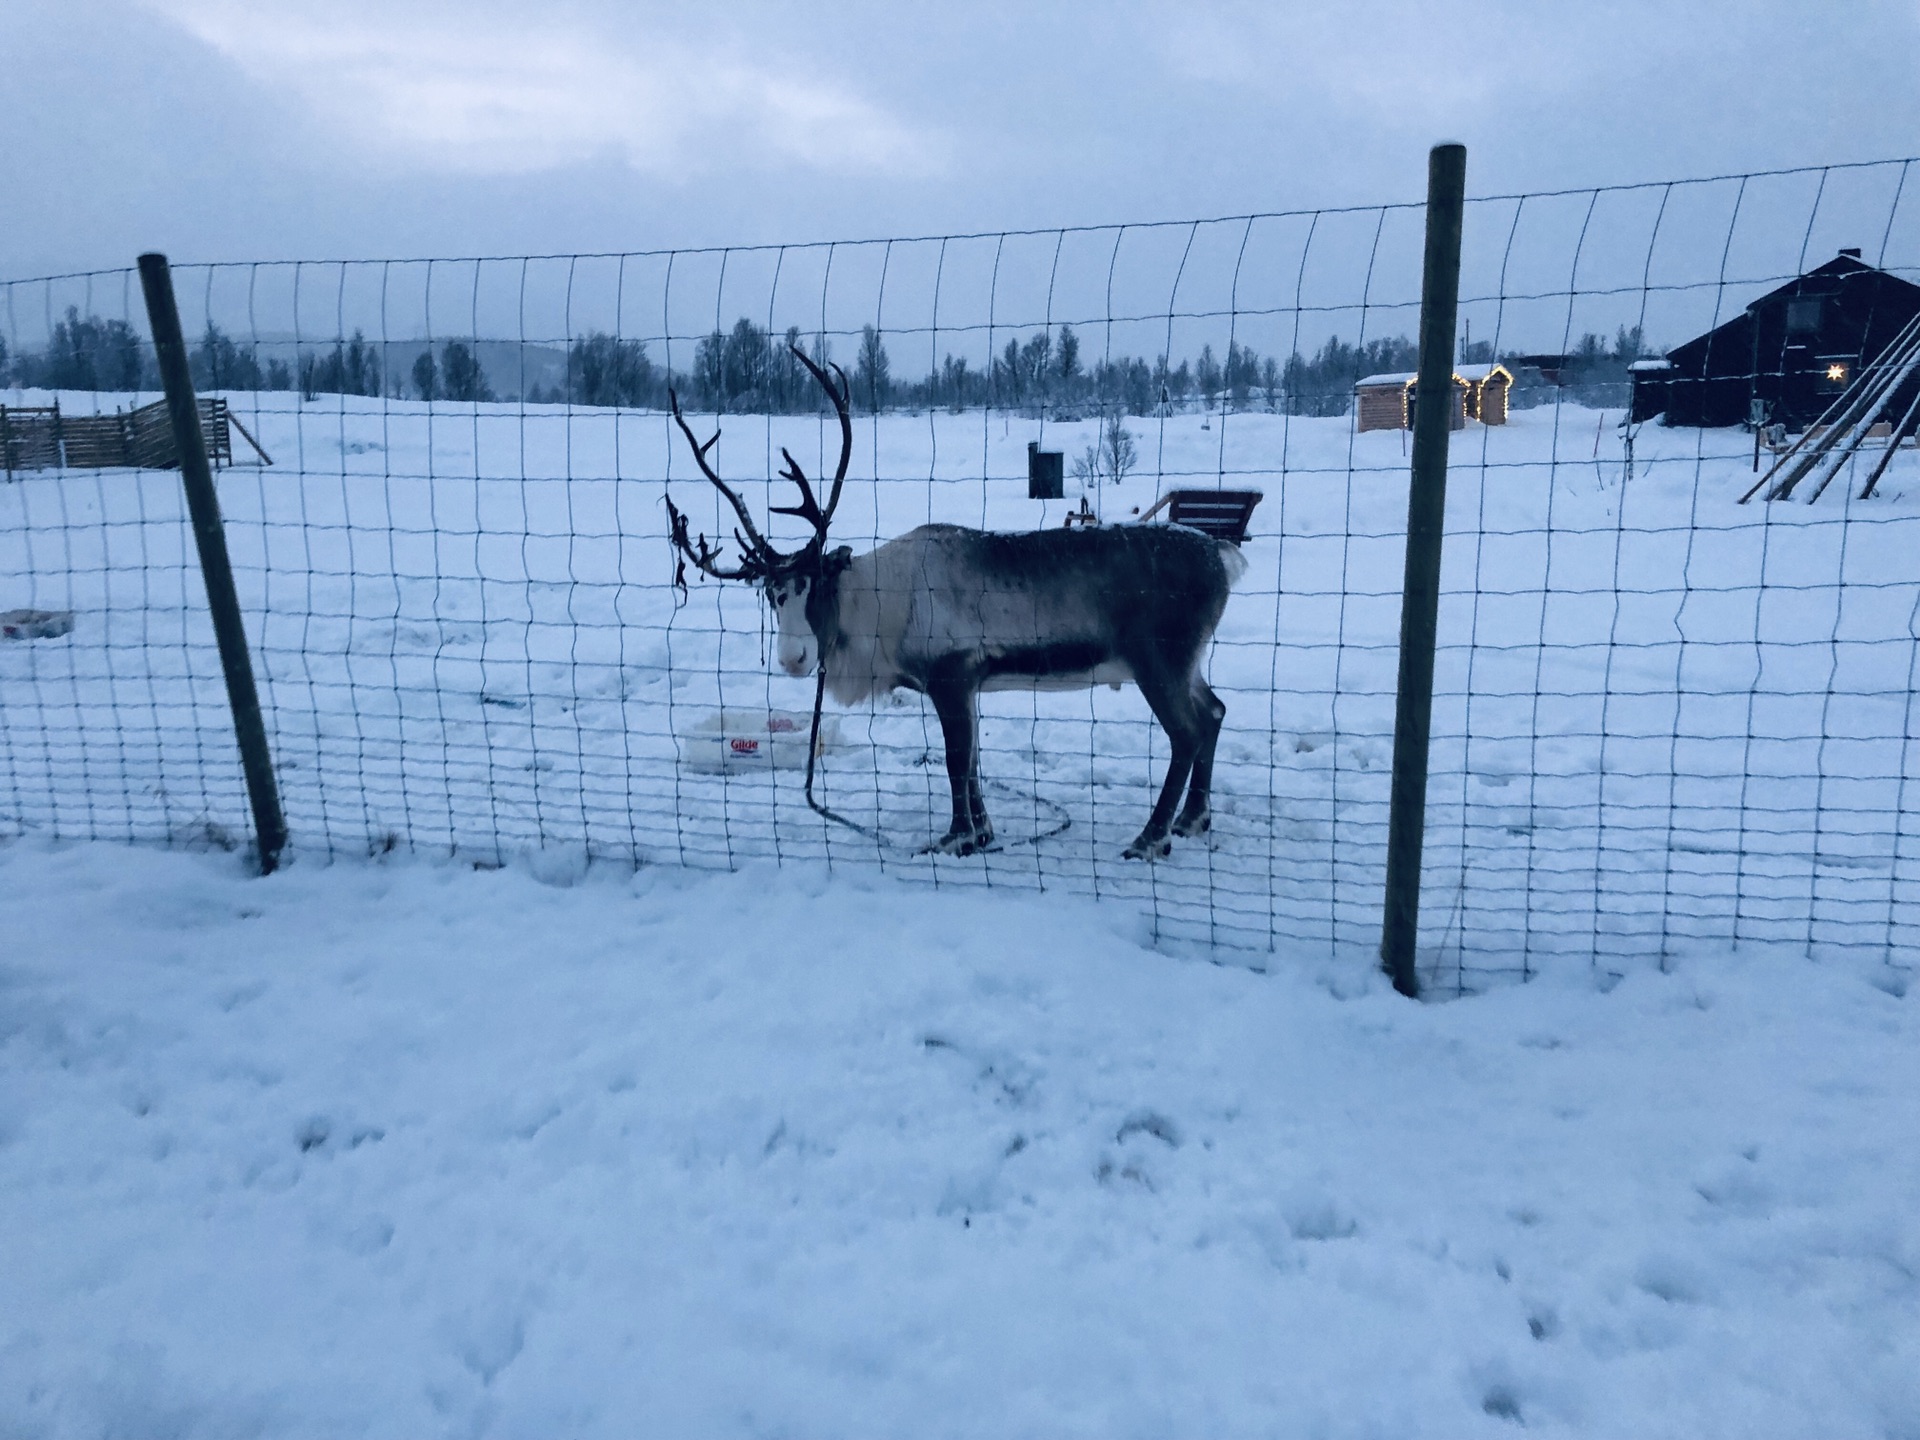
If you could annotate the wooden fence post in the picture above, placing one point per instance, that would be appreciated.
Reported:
(1420, 602)
(203, 505)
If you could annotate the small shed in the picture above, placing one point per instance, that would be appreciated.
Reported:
(1380, 402)
(1385, 402)
(1487, 388)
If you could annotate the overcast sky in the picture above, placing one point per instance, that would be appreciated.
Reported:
(239, 129)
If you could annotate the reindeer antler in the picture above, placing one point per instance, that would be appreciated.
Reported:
(754, 541)
(753, 563)
(757, 557)
(809, 507)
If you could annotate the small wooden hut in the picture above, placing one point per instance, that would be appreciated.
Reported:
(1385, 402)
(1380, 402)
(1487, 387)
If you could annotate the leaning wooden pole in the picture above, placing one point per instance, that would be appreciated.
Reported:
(1905, 427)
(1884, 386)
(1420, 594)
(1837, 422)
(1805, 452)
(203, 505)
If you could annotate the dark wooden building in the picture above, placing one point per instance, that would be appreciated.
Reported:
(1788, 355)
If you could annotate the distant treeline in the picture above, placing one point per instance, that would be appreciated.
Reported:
(748, 369)
(87, 352)
(84, 353)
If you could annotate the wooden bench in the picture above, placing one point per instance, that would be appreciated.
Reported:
(1223, 514)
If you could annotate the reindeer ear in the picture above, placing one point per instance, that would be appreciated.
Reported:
(839, 560)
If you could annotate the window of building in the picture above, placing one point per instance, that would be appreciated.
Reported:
(1804, 314)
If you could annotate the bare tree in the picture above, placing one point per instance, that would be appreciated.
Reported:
(1108, 459)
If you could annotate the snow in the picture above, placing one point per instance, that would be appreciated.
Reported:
(1471, 373)
(1664, 721)
(406, 1148)
(1407, 377)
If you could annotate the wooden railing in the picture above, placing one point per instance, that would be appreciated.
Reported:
(39, 437)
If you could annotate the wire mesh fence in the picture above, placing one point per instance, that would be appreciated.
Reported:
(1663, 718)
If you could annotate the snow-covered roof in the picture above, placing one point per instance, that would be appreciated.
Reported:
(1475, 373)
(1472, 374)
(1641, 367)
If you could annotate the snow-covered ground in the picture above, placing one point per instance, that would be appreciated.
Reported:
(402, 1148)
(1665, 721)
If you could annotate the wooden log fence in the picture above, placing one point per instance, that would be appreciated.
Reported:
(40, 437)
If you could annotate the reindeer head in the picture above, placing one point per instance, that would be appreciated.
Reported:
(799, 586)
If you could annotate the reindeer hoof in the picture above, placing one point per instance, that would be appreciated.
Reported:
(955, 843)
(1148, 848)
(1191, 825)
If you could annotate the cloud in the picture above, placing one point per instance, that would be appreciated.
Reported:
(469, 92)
(1402, 65)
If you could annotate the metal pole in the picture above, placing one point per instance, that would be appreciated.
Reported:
(1420, 602)
(203, 505)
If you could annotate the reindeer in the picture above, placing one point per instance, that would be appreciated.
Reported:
(950, 612)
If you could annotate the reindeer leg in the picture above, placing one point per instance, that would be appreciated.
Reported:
(1196, 816)
(953, 702)
(976, 802)
(1174, 707)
